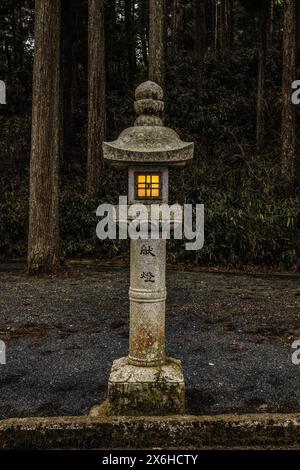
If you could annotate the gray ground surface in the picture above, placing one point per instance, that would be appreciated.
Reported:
(232, 332)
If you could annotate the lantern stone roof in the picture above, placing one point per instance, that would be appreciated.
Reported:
(148, 142)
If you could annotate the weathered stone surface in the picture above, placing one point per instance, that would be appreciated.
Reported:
(149, 90)
(257, 431)
(148, 144)
(135, 390)
(150, 120)
(148, 141)
(147, 303)
(149, 106)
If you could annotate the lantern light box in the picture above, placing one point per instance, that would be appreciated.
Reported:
(147, 185)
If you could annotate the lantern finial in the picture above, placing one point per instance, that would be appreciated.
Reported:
(149, 104)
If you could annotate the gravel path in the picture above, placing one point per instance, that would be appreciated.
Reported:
(232, 332)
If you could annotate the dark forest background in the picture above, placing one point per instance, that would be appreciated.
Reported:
(228, 68)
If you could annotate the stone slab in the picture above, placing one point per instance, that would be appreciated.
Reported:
(257, 431)
(135, 390)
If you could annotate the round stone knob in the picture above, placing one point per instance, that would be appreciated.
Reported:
(149, 90)
(149, 105)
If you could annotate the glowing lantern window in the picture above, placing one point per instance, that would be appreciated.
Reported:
(148, 186)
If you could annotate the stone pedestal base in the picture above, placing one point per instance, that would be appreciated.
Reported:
(134, 390)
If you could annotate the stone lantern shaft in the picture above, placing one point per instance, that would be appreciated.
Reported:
(147, 296)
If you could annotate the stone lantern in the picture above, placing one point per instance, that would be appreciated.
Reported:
(147, 381)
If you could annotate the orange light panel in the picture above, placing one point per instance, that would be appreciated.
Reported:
(147, 186)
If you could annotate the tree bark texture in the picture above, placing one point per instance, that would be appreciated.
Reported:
(288, 76)
(43, 239)
(96, 93)
(157, 41)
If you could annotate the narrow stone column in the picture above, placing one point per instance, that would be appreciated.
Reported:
(147, 296)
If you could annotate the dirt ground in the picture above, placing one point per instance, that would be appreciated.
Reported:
(233, 333)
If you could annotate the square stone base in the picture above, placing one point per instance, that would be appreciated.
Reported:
(136, 390)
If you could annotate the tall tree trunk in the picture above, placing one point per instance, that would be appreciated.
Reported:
(96, 93)
(68, 74)
(176, 24)
(288, 76)
(43, 240)
(262, 56)
(200, 40)
(157, 41)
(297, 34)
(111, 33)
(144, 28)
(130, 40)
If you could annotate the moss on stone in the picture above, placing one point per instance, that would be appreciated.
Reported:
(182, 432)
